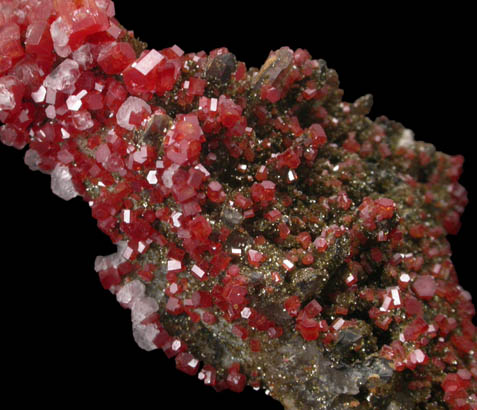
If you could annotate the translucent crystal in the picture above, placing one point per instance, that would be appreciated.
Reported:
(61, 183)
(63, 77)
(131, 105)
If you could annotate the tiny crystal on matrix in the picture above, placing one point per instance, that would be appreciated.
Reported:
(247, 211)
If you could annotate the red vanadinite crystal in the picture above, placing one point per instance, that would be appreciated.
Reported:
(384, 208)
(215, 192)
(292, 305)
(208, 374)
(415, 329)
(255, 258)
(11, 49)
(264, 191)
(313, 308)
(11, 91)
(229, 112)
(109, 277)
(187, 363)
(320, 244)
(174, 346)
(38, 40)
(141, 76)
(255, 345)
(304, 238)
(425, 287)
(115, 57)
(174, 306)
(242, 202)
(200, 228)
(308, 327)
(235, 380)
(183, 146)
(273, 215)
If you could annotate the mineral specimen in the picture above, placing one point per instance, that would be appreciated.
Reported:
(268, 233)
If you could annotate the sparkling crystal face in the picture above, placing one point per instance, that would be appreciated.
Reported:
(268, 234)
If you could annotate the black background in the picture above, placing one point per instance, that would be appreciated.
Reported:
(69, 342)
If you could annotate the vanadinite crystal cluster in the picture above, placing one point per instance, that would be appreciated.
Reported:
(268, 233)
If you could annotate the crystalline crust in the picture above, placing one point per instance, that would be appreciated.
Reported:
(269, 234)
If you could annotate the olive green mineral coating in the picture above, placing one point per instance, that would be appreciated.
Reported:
(302, 375)
(349, 372)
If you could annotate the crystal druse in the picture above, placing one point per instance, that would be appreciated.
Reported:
(268, 233)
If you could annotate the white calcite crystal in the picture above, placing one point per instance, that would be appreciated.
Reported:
(63, 77)
(168, 174)
(132, 296)
(107, 6)
(61, 183)
(60, 32)
(73, 102)
(144, 336)
(82, 120)
(32, 159)
(142, 307)
(113, 260)
(39, 95)
(84, 56)
(130, 292)
(7, 97)
(406, 139)
(131, 105)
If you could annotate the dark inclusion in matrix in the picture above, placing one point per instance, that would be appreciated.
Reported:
(268, 233)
